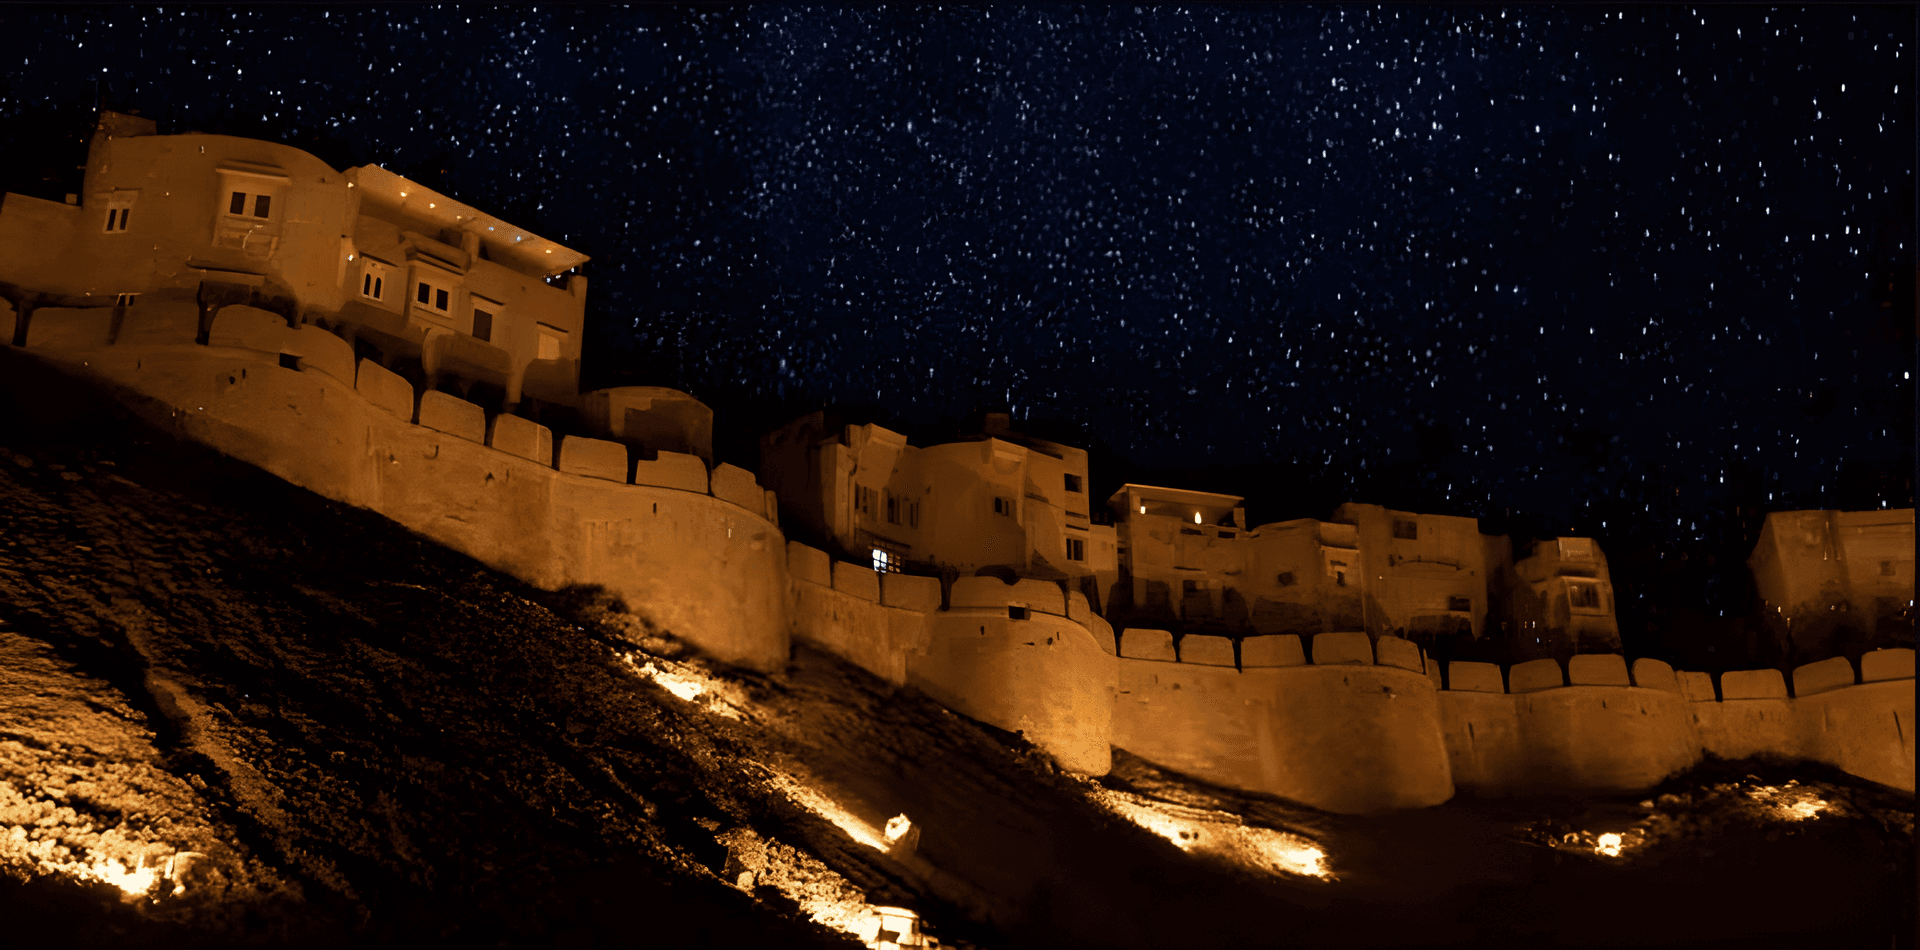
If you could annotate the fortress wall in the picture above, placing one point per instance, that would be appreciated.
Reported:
(875, 636)
(1539, 733)
(1349, 736)
(1045, 676)
(1866, 730)
(1623, 738)
(700, 567)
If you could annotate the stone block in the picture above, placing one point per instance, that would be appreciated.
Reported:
(855, 580)
(248, 328)
(809, 564)
(1893, 664)
(1828, 674)
(991, 592)
(1138, 644)
(1649, 673)
(1598, 669)
(1696, 687)
(1044, 596)
(321, 352)
(1395, 651)
(672, 470)
(1274, 649)
(1753, 684)
(773, 507)
(979, 592)
(1466, 676)
(730, 483)
(593, 458)
(1350, 647)
(164, 322)
(1078, 610)
(1205, 650)
(74, 328)
(385, 389)
(443, 412)
(910, 592)
(1535, 675)
(521, 437)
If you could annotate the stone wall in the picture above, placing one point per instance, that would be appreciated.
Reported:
(709, 569)
(1596, 726)
(1354, 730)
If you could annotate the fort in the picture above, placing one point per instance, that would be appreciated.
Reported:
(387, 347)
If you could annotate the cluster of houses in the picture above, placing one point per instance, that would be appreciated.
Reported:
(456, 300)
(999, 501)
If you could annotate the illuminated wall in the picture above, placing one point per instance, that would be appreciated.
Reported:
(693, 551)
(1836, 581)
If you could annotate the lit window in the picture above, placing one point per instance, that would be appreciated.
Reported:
(880, 561)
(1076, 549)
(1196, 517)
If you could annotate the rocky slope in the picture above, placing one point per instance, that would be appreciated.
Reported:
(233, 712)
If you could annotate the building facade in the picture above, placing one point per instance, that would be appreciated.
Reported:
(999, 500)
(1558, 600)
(446, 294)
(1835, 581)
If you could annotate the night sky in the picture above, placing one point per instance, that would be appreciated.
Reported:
(1642, 273)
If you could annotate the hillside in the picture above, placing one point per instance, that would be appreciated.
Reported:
(295, 722)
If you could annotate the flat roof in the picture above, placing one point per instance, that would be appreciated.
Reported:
(1178, 495)
(505, 242)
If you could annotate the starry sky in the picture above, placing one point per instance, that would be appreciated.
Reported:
(1642, 273)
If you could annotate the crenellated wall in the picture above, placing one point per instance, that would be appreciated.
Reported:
(695, 555)
(1337, 720)
(1593, 727)
(1024, 657)
(1355, 730)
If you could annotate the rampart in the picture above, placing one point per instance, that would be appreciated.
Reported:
(1338, 720)
(695, 553)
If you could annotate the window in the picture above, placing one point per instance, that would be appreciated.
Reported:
(239, 202)
(433, 294)
(1406, 530)
(1003, 506)
(1460, 605)
(1285, 579)
(485, 314)
(551, 340)
(373, 279)
(1076, 549)
(1584, 595)
(117, 217)
(887, 558)
(902, 511)
(1073, 483)
(124, 300)
(863, 499)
